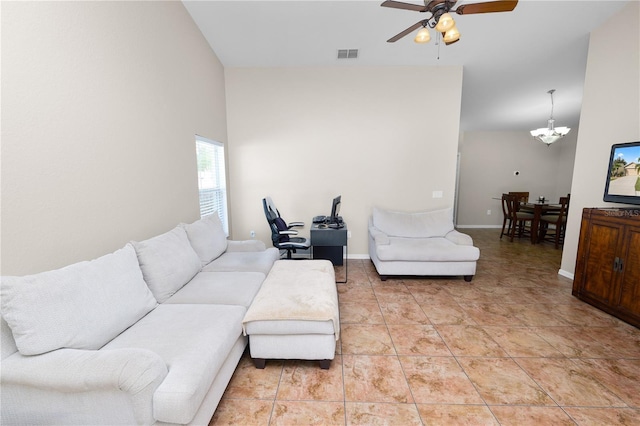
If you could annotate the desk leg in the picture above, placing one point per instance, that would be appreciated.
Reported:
(346, 265)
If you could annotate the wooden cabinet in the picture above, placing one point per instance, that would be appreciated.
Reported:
(608, 264)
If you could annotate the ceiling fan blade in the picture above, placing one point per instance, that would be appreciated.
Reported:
(406, 6)
(488, 7)
(405, 32)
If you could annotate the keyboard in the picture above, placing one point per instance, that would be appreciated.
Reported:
(319, 219)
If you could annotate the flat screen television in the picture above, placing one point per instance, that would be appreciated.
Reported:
(335, 218)
(623, 175)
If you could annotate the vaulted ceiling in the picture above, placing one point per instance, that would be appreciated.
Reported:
(510, 59)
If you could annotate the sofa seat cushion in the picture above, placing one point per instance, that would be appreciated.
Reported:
(426, 249)
(81, 306)
(425, 224)
(259, 261)
(194, 341)
(224, 288)
(168, 262)
(207, 237)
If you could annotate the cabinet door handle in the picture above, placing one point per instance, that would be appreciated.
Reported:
(620, 265)
(616, 264)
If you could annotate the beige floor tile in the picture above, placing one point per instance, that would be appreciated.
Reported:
(373, 414)
(491, 313)
(375, 379)
(522, 342)
(469, 340)
(249, 412)
(356, 294)
(305, 380)
(568, 383)
(531, 416)
(446, 314)
(360, 313)
(459, 415)
(418, 340)
(604, 416)
(574, 342)
(308, 413)
(621, 376)
(501, 381)
(251, 382)
(365, 339)
(438, 380)
(403, 312)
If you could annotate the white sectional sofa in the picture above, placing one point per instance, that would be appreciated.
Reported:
(420, 243)
(149, 334)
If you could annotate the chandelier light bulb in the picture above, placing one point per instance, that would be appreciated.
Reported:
(445, 23)
(423, 36)
(452, 35)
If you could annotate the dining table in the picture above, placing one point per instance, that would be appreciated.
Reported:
(538, 209)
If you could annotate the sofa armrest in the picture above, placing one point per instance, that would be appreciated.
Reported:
(245, 245)
(378, 236)
(114, 386)
(75, 370)
(459, 238)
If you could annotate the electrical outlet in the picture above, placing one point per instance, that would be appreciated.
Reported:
(488, 212)
(253, 234)
(437, 194)
(348, 234)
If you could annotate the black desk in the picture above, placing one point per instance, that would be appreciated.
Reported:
(330, 244)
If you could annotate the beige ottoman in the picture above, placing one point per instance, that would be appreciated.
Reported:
(295, 314)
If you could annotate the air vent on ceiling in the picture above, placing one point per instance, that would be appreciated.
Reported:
(347, 53)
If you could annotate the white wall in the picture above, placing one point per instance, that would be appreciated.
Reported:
(610, 114)
(377, 136)
(488, 161)
(100, 104)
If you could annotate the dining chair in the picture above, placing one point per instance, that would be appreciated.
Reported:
(559, 222)
(506, 219)
(523, 197)
(519, 219)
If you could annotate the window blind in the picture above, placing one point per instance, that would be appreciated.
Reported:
(212, 185)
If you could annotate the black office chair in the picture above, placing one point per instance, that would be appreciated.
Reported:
(282, 236)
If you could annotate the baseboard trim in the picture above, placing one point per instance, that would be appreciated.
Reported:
(480, 226)
(358, 256)
(566, 274)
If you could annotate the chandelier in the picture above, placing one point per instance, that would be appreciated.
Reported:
(550, 134)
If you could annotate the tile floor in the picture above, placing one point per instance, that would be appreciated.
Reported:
(513, 347)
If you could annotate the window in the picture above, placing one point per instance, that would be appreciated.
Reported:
(212, 184)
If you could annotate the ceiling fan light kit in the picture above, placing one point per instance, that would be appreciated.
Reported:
(423, 36)
(445, 23)
(441, 19)
(451, 36)
(550, 134)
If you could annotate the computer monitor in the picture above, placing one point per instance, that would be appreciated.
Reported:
(335, 211)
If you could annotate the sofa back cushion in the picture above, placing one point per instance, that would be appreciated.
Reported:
(168, 262)
(426, 224)
(207, 237)
(81, 306)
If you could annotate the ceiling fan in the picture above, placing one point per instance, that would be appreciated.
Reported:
(440, 18)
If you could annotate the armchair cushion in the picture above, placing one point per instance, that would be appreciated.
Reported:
(81, 306)
(414, 225)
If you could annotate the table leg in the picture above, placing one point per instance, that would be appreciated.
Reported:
(535, 223)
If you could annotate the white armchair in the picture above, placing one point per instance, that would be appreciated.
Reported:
(422, 243)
